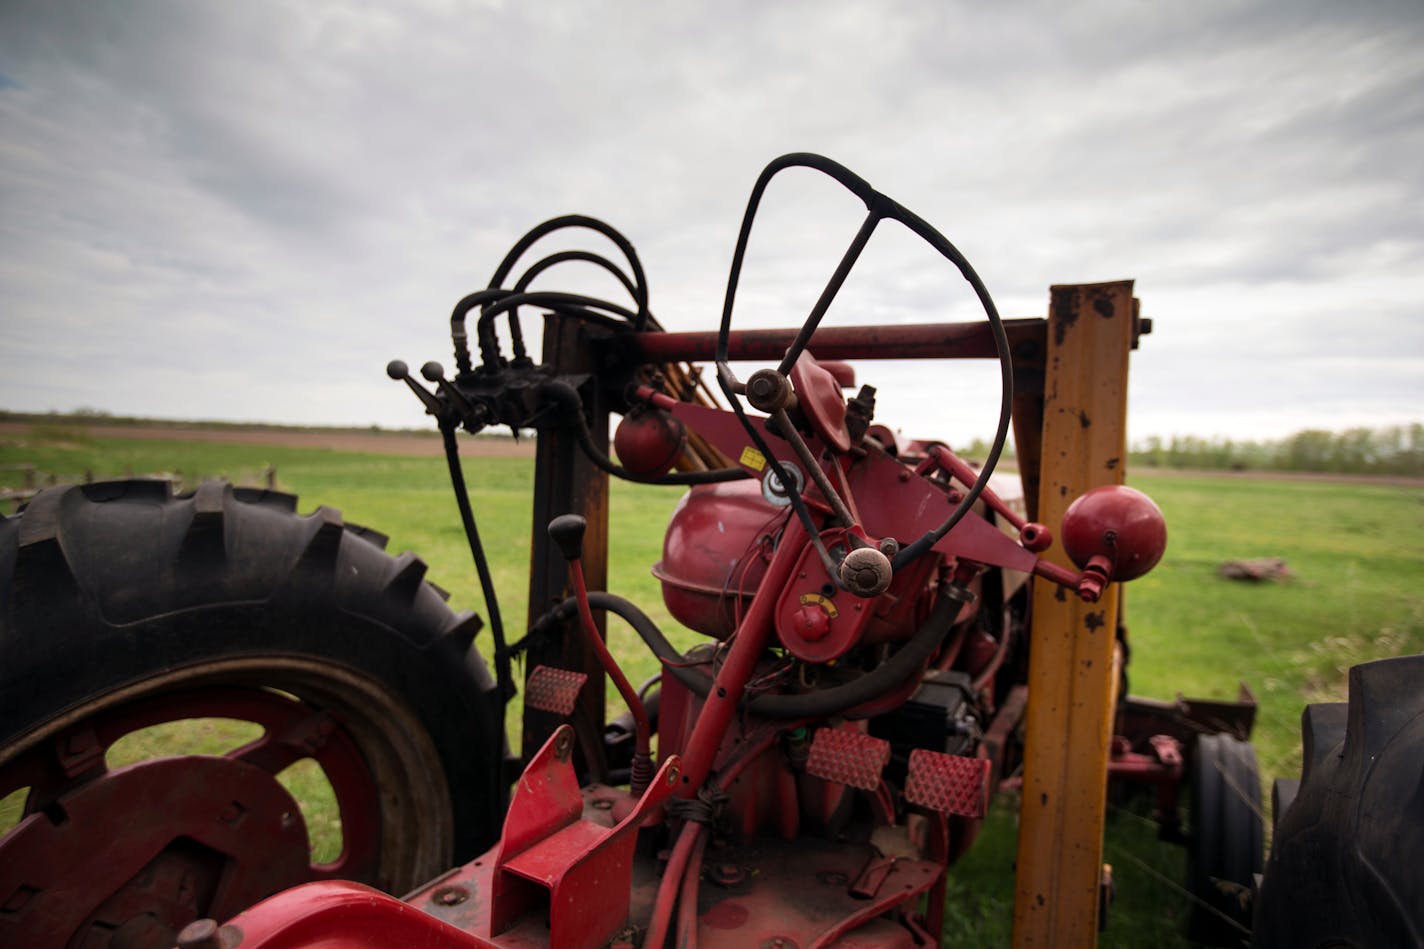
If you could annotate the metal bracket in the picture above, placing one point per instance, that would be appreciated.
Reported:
(550, 858)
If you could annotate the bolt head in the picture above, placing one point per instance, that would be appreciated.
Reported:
(563, 744)
(202, 934)
(450, 895)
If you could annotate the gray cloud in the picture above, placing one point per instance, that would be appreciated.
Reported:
(243, 210)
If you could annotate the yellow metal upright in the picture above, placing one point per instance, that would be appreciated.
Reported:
(1071, 669)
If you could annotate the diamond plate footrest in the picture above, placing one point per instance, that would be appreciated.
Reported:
(950, 784)
(553, 690)
(848, 757)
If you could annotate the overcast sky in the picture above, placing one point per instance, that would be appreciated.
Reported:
(243, 210)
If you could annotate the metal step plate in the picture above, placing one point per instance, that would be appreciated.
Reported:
(950, 784)
(553, 690)
(852, 758)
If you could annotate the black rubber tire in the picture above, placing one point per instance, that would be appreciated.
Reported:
(1346, 854)
(1225, 841)
(120, 590)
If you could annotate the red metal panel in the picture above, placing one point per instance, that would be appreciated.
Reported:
(338, 913)
(233, 815)
(551, 861)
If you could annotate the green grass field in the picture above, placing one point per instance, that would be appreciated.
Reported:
(1356, 551)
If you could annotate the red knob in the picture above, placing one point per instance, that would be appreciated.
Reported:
(811, 623)
(648, 441)
(1121, 525)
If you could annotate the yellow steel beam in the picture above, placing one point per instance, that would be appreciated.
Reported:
(1070, 679)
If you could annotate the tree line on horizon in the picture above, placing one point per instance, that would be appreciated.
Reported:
(1390, 450)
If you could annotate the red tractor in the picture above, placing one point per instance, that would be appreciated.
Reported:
(802, 777)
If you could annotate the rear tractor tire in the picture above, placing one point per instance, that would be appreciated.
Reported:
(126, 608)
(1349, 835)
(1225, 842)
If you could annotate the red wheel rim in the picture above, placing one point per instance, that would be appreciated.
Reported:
(141, 850)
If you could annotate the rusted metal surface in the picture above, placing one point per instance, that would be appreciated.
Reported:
(1070, 668)
(809, 893)
(339, 913)
(1028, 436)
(1006, 721)
(802, 893)
(914, 341)
(567, 482)
(552, 861)
(1185, 718)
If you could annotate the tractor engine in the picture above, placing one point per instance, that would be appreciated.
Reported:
(716, 551)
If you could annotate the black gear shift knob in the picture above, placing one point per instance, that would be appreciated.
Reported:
(567, 531)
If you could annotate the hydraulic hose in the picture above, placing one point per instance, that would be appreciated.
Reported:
(503, 675)
(819, 704)
(640, 281)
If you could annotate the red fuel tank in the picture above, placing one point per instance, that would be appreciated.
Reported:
(715, 553)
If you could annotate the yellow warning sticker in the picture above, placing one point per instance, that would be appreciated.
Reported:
(753, 459)
(823, 602)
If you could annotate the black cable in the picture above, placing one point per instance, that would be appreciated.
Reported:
(566, 256)
(878, 206)
(568, 398)
(550, 298)
(640, 281)
(516, 335)
(503, 676)
(554, 300)
(457, 328)
(823, 703)
(636, 286)
(497, 301)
